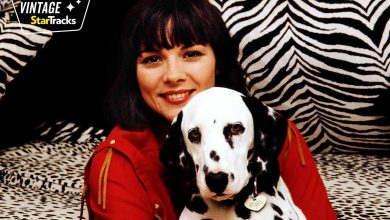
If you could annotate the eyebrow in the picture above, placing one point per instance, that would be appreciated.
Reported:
(157, 50)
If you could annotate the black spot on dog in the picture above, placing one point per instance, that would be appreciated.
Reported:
(281, 195)
(228, 138)
(197, 167)
(242, 211)
(205, 169)
(278, 218)
(214, 156)
(232, 176)
(277, 209)
(215, 121)
(232, 129)
(197, 205)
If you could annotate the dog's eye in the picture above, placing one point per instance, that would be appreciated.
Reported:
(236, 129)
(194, 135)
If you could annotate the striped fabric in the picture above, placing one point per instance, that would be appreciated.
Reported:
(7, 8)
(17, 48)
(325, 64)
(69, 131)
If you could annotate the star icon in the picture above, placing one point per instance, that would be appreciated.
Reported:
(70, 7)
(78, 2)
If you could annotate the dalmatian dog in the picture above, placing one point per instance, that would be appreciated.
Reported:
(227, 146)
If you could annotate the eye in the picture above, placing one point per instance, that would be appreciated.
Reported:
(236, 129)
(192, 54)
(194, 135)
(151, 60)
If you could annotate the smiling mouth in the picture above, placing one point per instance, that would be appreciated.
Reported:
(177, 97)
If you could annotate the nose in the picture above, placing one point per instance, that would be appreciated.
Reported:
(217, 182)
(174, 71)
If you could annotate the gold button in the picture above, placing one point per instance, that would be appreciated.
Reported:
(112, 142)
(156, 206)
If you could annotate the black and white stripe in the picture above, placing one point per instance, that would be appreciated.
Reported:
(17, 48)
(69, 131)
(324, 64)
(7, 8)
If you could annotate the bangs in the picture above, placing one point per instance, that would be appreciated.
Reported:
(171, 26)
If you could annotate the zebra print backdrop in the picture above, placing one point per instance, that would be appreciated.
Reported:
(7, 8)
(17, 48)
(324, 64)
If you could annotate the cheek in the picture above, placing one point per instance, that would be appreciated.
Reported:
(209, 74)
(205, 80)
(209, 80)
(145, 79)
(204, 74)
(147, 82)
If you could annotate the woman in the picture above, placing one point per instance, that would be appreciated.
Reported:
(172, 50)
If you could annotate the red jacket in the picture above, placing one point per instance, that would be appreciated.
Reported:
(124, 178)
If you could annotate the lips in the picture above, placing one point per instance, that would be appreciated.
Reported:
(177, 97)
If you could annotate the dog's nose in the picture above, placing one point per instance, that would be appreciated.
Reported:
(217, 182)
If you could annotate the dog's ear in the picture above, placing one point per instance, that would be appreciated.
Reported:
(173, 155)
(173, 152)
(270, 127)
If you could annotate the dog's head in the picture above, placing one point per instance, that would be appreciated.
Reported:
(223, 139)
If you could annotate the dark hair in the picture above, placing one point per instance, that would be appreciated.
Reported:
(192, 22)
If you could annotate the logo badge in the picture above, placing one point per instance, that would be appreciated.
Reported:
(56, 16)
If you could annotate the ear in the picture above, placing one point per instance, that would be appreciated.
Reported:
(269, 126)
(172, 153)
(270, 129)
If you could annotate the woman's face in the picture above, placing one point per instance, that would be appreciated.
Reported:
(168, 78)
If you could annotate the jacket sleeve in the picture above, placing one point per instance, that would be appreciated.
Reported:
(300, 173)
(122, 194)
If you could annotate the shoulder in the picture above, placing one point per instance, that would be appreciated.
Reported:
(112, 175)
(127, 142)
(124, 144)
(121, 152)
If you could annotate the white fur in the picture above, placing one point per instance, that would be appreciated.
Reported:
(210, 111)
(201, 112)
